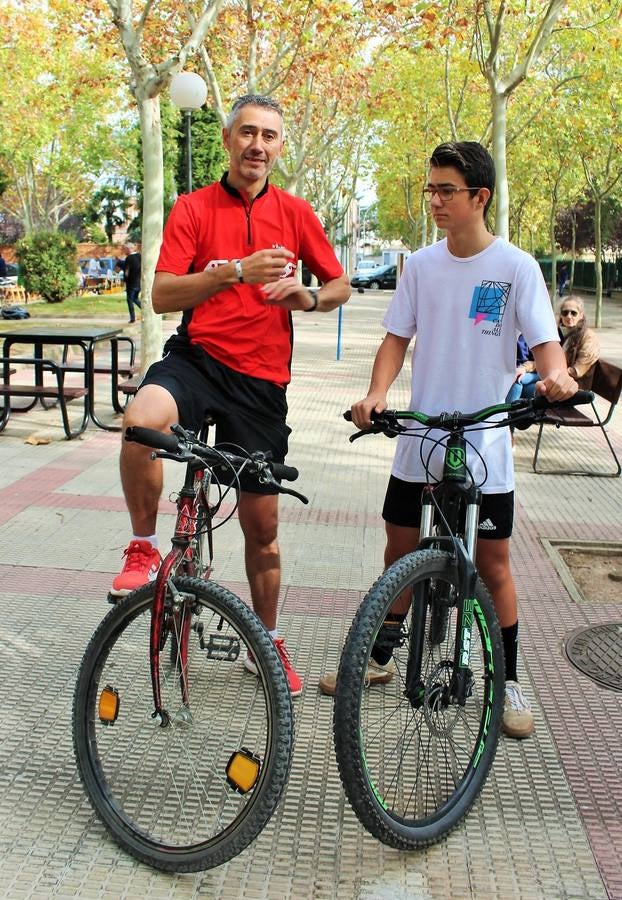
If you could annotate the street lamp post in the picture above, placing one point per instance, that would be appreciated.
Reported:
(188, 92)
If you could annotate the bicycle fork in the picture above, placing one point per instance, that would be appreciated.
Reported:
(435, 599)
(179, 612)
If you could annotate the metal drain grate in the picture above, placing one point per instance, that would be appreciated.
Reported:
(597, 651)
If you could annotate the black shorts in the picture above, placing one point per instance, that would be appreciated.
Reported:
(249, 412)
(402, 506)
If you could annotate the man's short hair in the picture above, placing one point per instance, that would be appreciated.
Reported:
(253, 100)
(472, 160)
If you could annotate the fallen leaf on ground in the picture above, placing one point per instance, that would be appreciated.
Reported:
(38, 439)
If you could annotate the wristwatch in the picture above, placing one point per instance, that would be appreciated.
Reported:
(314, 294)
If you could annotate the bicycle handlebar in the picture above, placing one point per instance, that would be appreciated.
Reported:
(182, 446)
(148, 437)
(534, 409)
(540, 402)
(286, 473)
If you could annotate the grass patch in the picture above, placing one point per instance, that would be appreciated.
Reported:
(87, 305)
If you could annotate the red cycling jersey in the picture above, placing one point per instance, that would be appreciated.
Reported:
(216, 224)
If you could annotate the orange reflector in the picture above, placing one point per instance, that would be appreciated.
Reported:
(243, 770)
(108, 705)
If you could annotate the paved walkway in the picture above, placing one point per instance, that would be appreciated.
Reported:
(549, 822)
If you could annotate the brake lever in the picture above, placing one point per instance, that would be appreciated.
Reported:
(385, 428)
(184, 456)
(360, 434)
(293, 493)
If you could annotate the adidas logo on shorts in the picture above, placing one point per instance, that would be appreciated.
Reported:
(487, 525)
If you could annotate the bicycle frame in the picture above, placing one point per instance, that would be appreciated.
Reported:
(181, 554)
(194, 518)
(458, 501)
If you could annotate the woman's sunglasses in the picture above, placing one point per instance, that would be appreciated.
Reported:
(570, 312)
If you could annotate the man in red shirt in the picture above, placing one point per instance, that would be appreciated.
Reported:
(228, 262)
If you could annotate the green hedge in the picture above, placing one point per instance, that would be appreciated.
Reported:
(47, 261)
(585, 273)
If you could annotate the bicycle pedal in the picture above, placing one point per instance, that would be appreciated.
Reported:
(221, 647)
(390, 636)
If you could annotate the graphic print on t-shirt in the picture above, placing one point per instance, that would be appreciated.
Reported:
(488, 304)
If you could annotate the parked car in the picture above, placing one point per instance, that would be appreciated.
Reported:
(382, 277)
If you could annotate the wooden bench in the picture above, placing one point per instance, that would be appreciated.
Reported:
(60, 392)
(130, 386)
(607, 384)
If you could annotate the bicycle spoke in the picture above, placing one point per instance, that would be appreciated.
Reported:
(410, 755)
(168, 785)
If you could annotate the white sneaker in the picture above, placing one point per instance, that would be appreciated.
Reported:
(517, 715)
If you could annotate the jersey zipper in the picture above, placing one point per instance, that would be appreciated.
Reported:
(247, 210)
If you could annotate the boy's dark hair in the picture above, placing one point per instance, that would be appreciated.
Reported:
(253, 100)
(472, 160)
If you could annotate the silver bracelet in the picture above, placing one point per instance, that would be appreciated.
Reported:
(238, 269)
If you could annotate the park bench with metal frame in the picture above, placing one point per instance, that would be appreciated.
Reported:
(607, 384)
(59, 392)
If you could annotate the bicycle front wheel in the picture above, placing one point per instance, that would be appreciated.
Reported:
(412, 757)
(192, 793)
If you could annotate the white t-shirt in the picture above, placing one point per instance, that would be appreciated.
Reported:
(467, 315)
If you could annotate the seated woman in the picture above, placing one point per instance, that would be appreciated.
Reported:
(579, 343)
(526, 375)
(525, 378)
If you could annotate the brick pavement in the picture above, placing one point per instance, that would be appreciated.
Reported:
(548, 822)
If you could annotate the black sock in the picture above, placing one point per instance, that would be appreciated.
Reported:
(510, 648)
(382, 651)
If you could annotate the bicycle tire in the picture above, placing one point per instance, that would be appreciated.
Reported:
(411, 773)
(162, 792)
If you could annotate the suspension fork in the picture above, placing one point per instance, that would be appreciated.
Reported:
(465, 577)
(415, 688)
(460, 685)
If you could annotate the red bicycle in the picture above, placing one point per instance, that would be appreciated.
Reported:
(183, 754)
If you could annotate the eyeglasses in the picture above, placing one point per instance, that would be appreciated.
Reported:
(570, 312)
(445, 193)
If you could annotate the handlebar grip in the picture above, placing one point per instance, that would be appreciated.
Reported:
(578, 399)
(151, 438)
(285, 473)
(348, 415)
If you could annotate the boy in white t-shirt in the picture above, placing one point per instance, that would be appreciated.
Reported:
(466, 298)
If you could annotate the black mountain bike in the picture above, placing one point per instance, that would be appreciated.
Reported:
(184, 755)
(413, 754)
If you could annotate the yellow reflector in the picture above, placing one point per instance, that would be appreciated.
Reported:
(108, 705)
(243, 770)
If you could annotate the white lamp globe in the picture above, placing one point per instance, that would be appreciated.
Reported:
(188, 90)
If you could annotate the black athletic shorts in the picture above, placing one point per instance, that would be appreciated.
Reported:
(249, 412)
(402, 506)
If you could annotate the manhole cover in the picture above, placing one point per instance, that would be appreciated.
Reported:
(597, 651)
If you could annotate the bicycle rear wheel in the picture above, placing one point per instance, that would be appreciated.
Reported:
(195, 793)
(412, 768)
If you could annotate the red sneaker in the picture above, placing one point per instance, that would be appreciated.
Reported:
(293, 680)
(141, 565)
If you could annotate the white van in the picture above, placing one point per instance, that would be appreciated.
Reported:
(366, 265)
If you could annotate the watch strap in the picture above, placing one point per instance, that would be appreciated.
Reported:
(314, 294)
